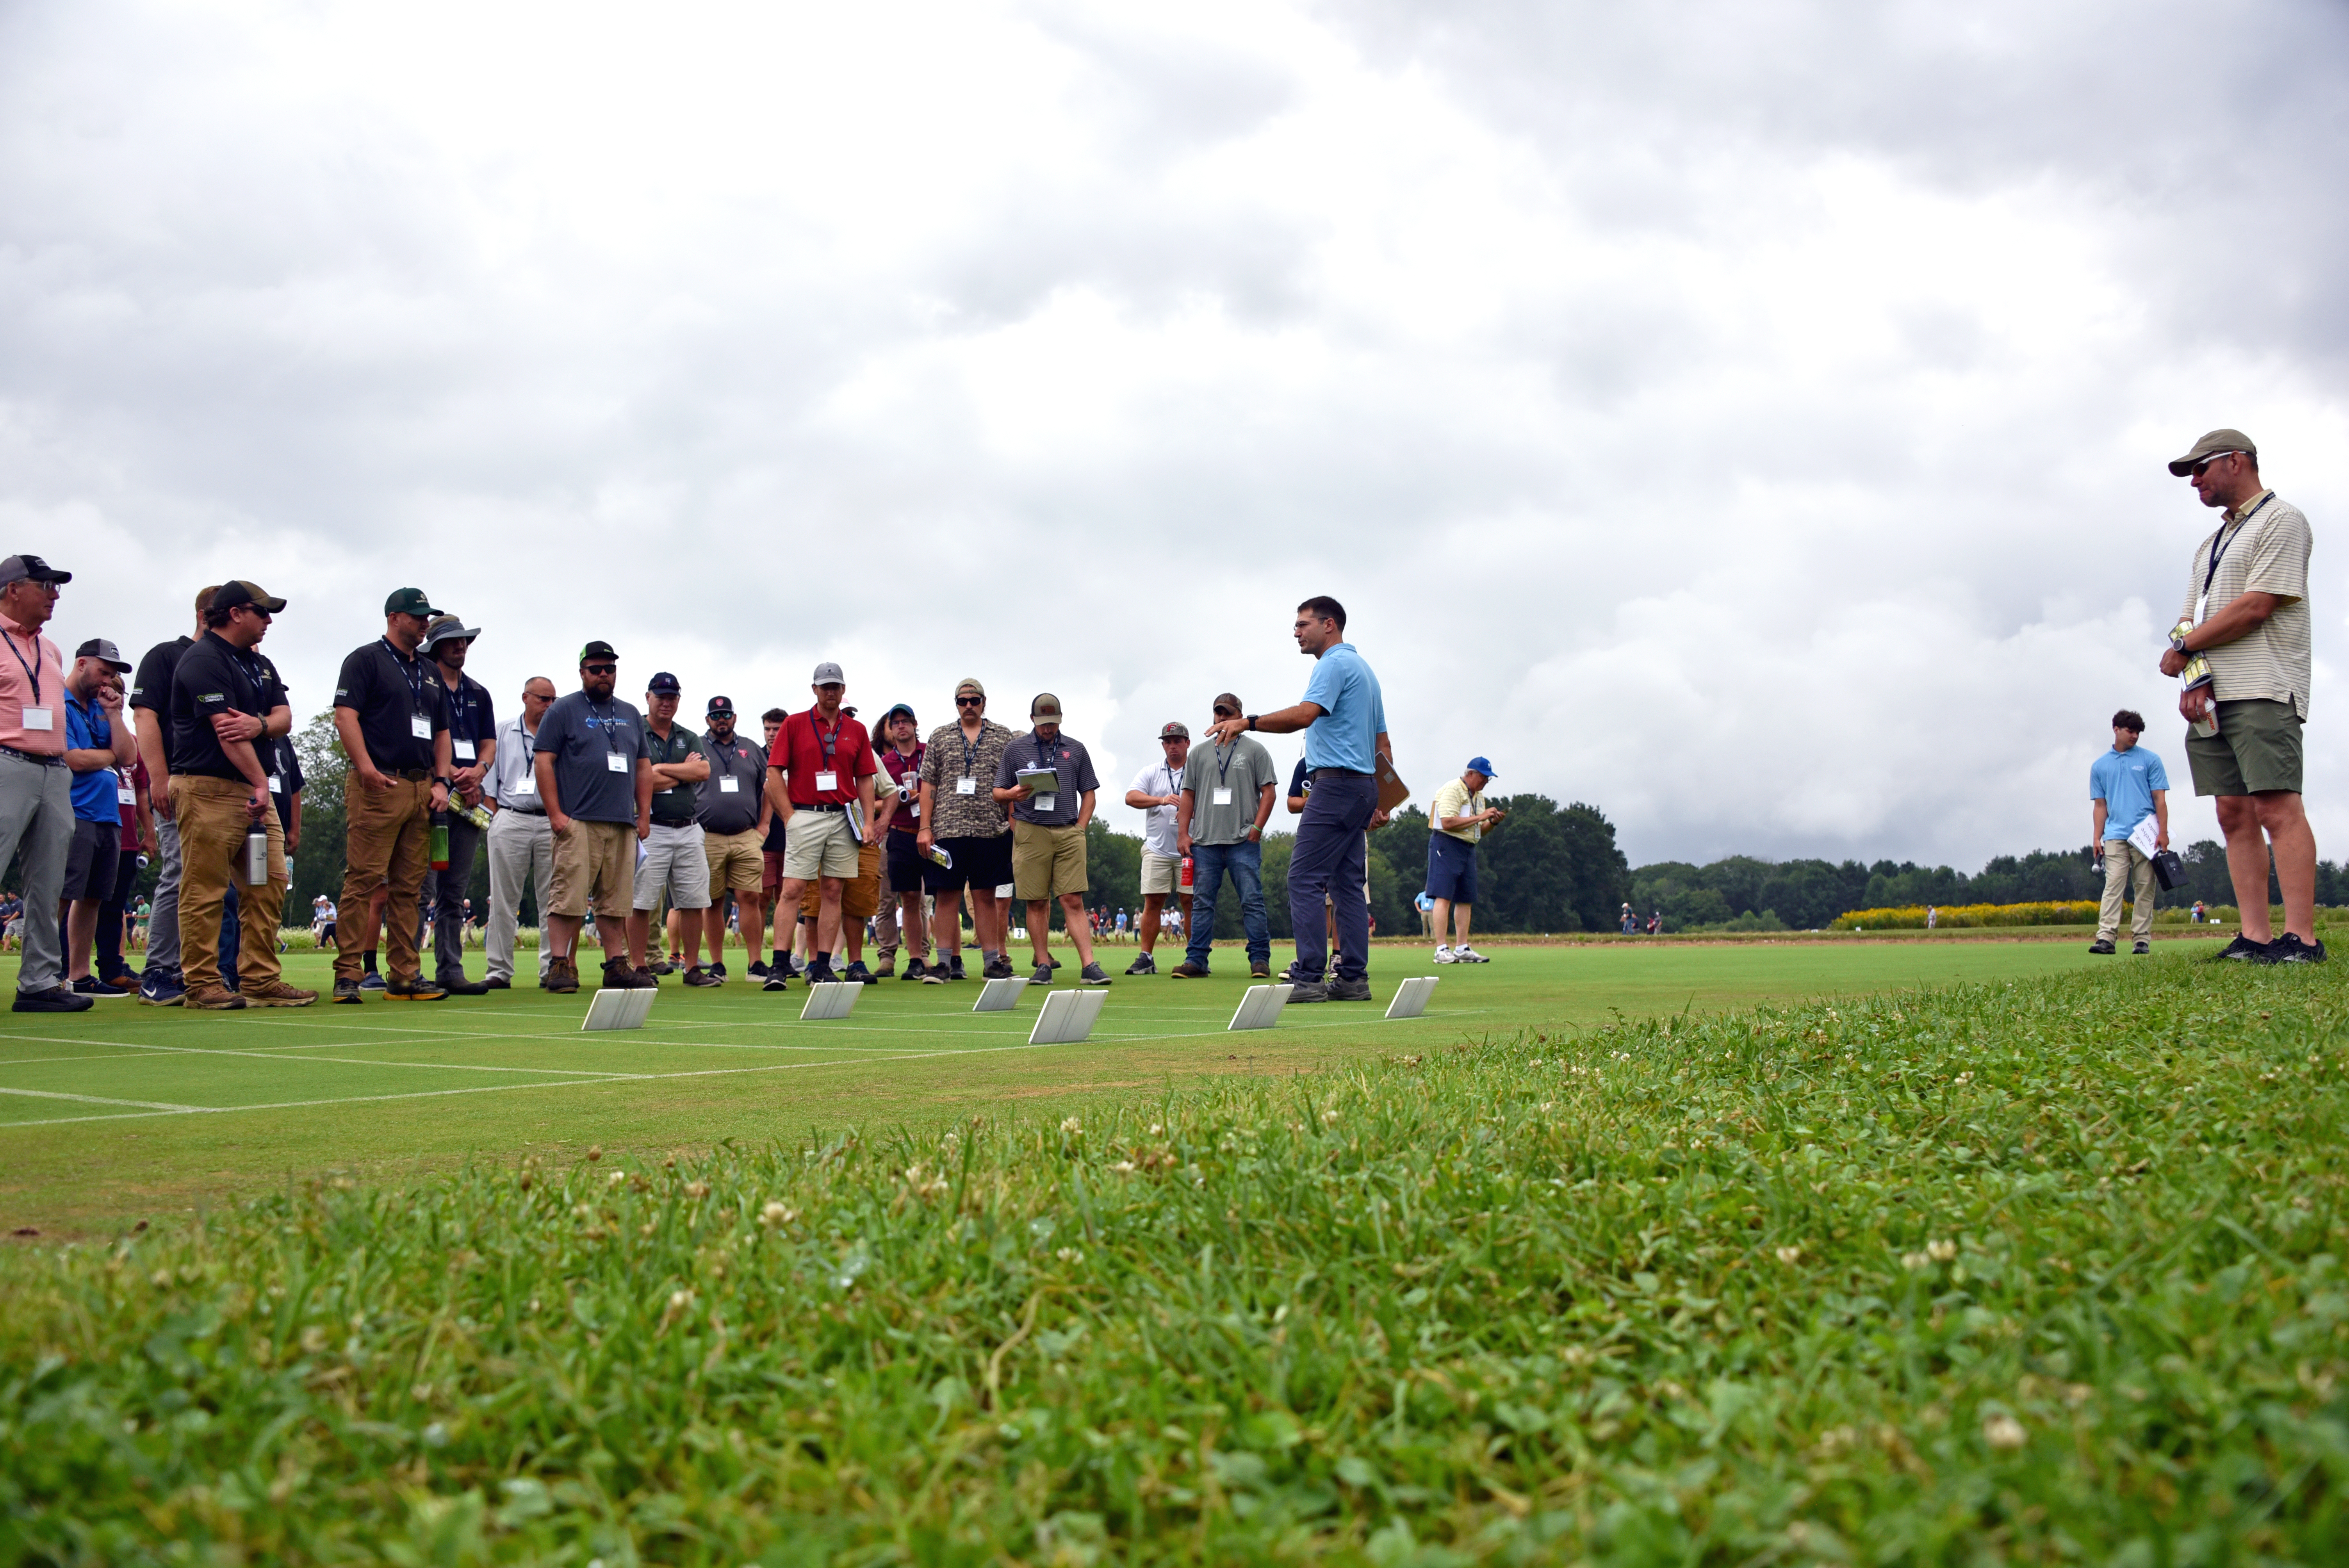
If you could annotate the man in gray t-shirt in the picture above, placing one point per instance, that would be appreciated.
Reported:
(597, 786)
(1048, 832)
(1228, 795)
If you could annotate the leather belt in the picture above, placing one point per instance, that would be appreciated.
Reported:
(40, 762)
(525, 810)
(1355, 772)
(834, 806)
(413, 775)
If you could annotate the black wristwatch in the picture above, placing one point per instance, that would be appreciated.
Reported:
(1251, 718)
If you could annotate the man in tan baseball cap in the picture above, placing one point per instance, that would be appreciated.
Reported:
(2242, 641)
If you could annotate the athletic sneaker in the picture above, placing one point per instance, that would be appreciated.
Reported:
(861, 974)
(61, 1000)
(1303, 990)
(915, 970)
(2290, 949)
(2242, 950)
(1444, 953)
(936, 975)
(776, 980)
(347, 992)
(417, 990)
(718, 971)
(821, 971)
(278, 993)
(212, 998)
(371, 981)
(699, 977)
(91, 986)
(1043, 975)
(1142, 964)
(2102, 946)
(1463, 953)
(758, 970)
(1348, 991)
(2142, 948)
(1093, 975)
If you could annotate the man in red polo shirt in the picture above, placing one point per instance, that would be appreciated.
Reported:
(820, 782)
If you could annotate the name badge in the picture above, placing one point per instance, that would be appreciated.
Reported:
(126, 795)
(526, 785)
(1224, 796)
(2201, 613)
(615, 763)
(826, 781)
(38, 718)
(277, 783)
(463, 750)
(419, 727)
(1045, 804)
(966, 786)
(730, 786)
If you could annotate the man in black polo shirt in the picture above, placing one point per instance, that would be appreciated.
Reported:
(225, 701)
(391, 712)
(472, 748)
(160, 985)
(674, 865)
(731, 811)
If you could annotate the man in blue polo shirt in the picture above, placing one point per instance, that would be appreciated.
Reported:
(1345, 723)
(2127, 785)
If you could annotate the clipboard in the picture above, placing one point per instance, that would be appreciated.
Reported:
(1392, 791)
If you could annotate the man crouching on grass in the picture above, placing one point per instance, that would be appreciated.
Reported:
(2127, 785)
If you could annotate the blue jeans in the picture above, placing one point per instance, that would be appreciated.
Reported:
(1333, 858)
(1245, 860)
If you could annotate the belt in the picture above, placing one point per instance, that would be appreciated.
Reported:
(526, 811)
(413, 775)
(819, 806)
(40, 762)
(665, 823)
(1354, 772)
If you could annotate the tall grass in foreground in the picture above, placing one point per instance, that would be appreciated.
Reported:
(2027, 1273)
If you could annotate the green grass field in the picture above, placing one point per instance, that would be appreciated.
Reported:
(126, 1113)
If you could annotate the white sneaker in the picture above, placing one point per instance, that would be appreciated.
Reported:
(1444, 953)
(1463, 953)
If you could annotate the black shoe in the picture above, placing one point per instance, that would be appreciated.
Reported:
(1186, 970)
(1093, 975)
(820, 972)
(758, 970)
(92, 986)
(2101, 945)
(2242, 950)
(701, 978)
(1000, 970)
(1043, 975)
(2290, 949)
(495, 983)
(348, 992)
(861, 974)
(56, 999)
(1307, 991)
(915, 970)
(718, 970)
(776, 980)
(466, 987)
(2142, 948)
(1260, 971)
(1349, 990)
(1142, 964)
(417, 990)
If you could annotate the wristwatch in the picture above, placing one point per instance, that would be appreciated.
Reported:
(1251, 718)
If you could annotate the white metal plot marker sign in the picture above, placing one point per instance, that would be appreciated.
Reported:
(1067, 1016)
(830, 999)
(1411, 997)
(618, 1009)
(1260, 1007)
(999, 995)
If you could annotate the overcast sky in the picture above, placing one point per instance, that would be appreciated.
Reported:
(1746, 418)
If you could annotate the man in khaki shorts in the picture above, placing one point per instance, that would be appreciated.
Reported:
(733, 816)
(2242, 642)
(598, 790)
(819, 771)
(1048, 834)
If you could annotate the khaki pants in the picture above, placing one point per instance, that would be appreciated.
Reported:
(860, 895)
(389, 839)
(2126, 863)
(212, 823)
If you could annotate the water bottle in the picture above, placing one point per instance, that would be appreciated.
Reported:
(256, 855)
(440, 840)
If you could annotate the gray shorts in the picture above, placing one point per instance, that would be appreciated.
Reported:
(676, 864)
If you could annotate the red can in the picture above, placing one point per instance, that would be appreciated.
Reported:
(1187, 873)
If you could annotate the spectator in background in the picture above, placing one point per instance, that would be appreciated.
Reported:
(98, 743)
(1459, 819)
(1048, 834)
(1227, 796)
(1157, 793)
(2125, 786)
(36, 811)
(522, 843)
(472, 752)
(900, 824)
(597, 786)
(2246, 614)
(961, 815)
(733, 810)
(138, 839)
(676, 864)
(771, 861)
(160, 984)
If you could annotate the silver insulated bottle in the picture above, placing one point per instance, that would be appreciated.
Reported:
(256, 855)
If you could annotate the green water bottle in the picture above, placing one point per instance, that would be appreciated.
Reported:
(440, 840)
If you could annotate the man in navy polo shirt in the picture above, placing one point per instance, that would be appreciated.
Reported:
(96, 743)
(1345, 723)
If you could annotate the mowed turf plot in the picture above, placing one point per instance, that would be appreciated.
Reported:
(123, 1112)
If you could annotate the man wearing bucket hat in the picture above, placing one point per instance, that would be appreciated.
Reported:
(226, 708)
(98, 743)
(2241, 643)
(1048, 833)
(36, 817)
(391, 714)
(472, 752)
(1458, 818)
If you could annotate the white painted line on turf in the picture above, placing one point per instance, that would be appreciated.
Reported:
(96, 1099)
(363, 1061)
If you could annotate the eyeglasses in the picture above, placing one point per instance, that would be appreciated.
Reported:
(970, 702)
(2206, 462)
(599, 669)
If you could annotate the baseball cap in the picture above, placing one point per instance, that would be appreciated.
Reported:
(724, 704)
(2216, 444)
(232, 593)
(1045, 705)
(17, 568)
(1175, 729)
(1482, 765)
(828, 674)
(969, 683)
(406, 601)
(448, 629)
(894, 710)
(106, 653)
(1225, 699)
(598, 649)
(664, 683)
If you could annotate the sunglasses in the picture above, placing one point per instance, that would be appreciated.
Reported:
(599, 669)
(970, 702)
(1226, 712)
(2204, 465)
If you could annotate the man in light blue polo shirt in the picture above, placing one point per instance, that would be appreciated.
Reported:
(1345, 724)
(2127, 785)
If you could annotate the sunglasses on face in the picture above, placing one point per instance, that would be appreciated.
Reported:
(599, 669)
(970, 702)
(1225, 713)
(2204, 466)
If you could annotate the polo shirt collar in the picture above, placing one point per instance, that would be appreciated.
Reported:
(2244, 511)
(18, 630)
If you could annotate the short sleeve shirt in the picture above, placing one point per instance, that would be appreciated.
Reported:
(719, 809)
(1158, 823)
(32, 676)
(809, 750)
(676, 806)
(127, 782)
(1243, 767)
(1300, 782)
(394, 697)
(1453, 800)
(471, 719)
(286, 780)
(583, 738)
(952, 757)
(215, 676)
(87, 729)
(1065, 756)
(2264, 549)
(1353, 713)
(902, 770)
(2125, 781)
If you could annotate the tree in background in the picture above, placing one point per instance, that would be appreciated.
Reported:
(319, 864)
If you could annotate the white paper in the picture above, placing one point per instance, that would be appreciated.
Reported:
(730, 786)
(2146, 834)
(463, 750)
(966, 786)
(1223, 796)
(419, 727)
(615, 763)
(38, 718)
(826, 783)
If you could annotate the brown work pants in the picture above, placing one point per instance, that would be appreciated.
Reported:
(212, 820)
(389, 836)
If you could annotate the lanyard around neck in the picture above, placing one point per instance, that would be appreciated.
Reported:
(2218, 549)
(33, 670)
(411, 671)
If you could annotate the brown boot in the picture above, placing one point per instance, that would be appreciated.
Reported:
(278, 993)
(561, 974)
(214, 997)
